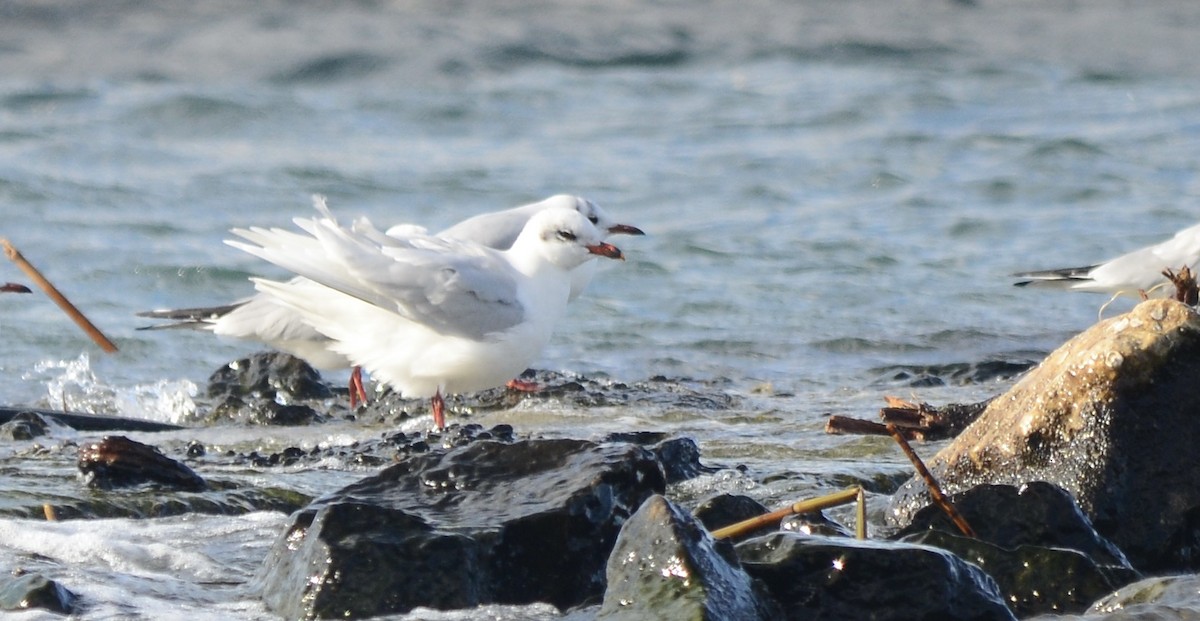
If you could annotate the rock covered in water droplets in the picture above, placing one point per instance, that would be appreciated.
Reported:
(117, 461)
(1111, 417)
(1033, 579)
(814, 577)
(1037, 514)
(665, 565)
(491, 522)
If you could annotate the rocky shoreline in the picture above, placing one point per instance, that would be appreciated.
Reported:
(1076, 484)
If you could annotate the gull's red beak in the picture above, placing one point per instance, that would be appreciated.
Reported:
(606, 250)
(624, 229)
(11, 287)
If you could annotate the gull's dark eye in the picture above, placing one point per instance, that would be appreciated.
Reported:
(593, 219)
(566, 235)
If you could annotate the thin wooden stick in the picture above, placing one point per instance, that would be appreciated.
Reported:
(934, 489)
(88, 327)
(49, 512)
(804, 506)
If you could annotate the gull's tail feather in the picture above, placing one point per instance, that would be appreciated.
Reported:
(1063, 277)
(195, 318)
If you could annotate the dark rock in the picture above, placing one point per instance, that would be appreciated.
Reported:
(680, 457)
(1037, 514)
(117, 461)
(24, 426)
(266, 374)
(271, 413)
(836, 578)
(87, 422)
(814, 523)
(1033, 579)
(1110, 417)
(531, 521)
(36, 591)
(569, 390)
(665, 565)
(724, 509)
(954, 373)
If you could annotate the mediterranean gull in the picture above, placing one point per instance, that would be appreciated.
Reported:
(430, 315)
(261, 318)
(1130, 274)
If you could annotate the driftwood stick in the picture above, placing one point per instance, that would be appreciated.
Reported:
(83, 322)
(1184, 281)
(934, 489)
(804, 506)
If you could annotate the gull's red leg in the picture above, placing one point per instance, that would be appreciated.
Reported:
(439, 410)
(357, 392)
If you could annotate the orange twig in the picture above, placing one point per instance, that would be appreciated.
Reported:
(934, 489)
(88, 327)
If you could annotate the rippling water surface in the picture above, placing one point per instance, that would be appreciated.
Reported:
(834, 194)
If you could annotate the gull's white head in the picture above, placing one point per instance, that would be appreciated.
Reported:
(563, 237)
(593, 212)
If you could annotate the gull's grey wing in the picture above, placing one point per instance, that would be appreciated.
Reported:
(452, 287)
(469, 295)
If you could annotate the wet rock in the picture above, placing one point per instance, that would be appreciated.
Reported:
(87, 422)
(492, 522)
(725, 509)
(569, 390)
(117, 461)
(665, 565)
(1110, 417)
(680, 457)
(35, 591)
(265, 375)
(836, 578)
(815, 523)
(955, 373)
(292, 415)
(1032, 579)
(230, 501)
(24, 426)
(1152, 598)
(1036, 514)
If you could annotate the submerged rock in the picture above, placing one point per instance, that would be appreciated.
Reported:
(36, 591)
(665, 565)
(1110, 417)
(24, 426)
(117, 461)
(815, 577)
(530, 521)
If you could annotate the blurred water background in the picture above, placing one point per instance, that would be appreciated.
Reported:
(834, 195)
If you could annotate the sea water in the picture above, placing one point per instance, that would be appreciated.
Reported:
(834, 195)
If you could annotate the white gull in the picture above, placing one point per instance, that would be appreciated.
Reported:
(1129, 274)
(261, 318)
(430, 315)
